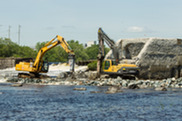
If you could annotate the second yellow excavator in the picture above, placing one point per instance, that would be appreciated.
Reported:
(40, 66)
(113, 66)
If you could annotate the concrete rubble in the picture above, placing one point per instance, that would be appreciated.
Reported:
(158, 58)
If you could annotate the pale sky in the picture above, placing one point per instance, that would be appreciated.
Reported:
(42, 20)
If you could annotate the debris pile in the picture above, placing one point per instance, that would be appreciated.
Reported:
(157, 58)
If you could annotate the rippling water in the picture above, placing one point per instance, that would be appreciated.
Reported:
(32, 102)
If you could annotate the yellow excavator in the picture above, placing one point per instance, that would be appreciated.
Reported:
(41, 66)
(112, 66)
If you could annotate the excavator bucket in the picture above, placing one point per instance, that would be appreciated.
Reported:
(71, 59)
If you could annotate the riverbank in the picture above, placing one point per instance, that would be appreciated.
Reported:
(117, 82)
(59, 76)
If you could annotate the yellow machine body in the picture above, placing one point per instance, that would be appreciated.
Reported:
(110, 67)
(40, 66)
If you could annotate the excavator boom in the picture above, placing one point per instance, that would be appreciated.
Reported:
(102, 36)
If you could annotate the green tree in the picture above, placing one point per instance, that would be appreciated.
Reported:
(11, 49)
(54, 55)
(92, 51)
(57, 54)
(79, 50)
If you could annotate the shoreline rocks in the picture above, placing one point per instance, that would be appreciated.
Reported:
(119, 82)
(89, 78)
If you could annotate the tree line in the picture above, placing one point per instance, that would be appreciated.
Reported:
(57, 54)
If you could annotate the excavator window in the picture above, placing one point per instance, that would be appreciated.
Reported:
(45, 67)
(107, 65)
(114, 63)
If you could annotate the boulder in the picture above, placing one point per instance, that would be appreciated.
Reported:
(80, 74)
(67, 83)
(104, 76)
(133, 86)
(62, 75)
(118, 79)
(124, 83)
(161, 89)
(93, 75)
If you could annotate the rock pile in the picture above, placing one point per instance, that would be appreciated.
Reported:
(157, 58)
(117, 82)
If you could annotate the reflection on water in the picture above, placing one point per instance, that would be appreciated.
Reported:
(35, 102)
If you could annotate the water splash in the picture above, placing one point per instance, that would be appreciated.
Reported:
(54, 70)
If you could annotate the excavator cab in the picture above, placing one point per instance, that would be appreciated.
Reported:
(45, 67)
(109, 65)
(106, 65)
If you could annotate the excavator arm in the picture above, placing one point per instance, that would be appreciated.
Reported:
(102, 37)
(54, 42)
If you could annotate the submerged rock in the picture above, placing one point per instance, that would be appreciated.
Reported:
(80, 89)
(12, 79)
(95, 92)
(133, 86)
(113, 89)
(160, 89)
(17, 85)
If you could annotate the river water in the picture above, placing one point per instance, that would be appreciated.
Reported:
(59, 103)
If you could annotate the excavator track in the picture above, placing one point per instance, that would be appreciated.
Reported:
(31, 75)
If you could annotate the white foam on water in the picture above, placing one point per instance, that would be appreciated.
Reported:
(5, 73)
(54, 70)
